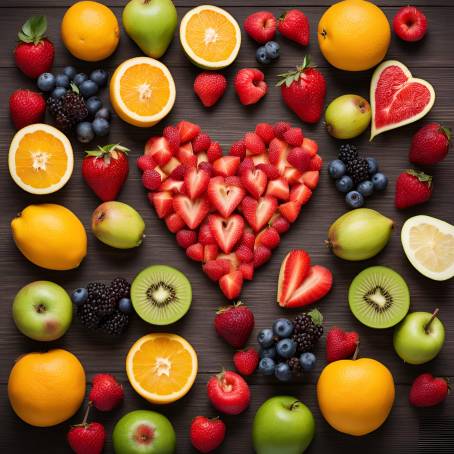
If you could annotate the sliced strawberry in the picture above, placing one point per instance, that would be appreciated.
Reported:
(300, 193)
(231, 284)
(205, 236)
(269, 238)
(254, 143)
(260, 159)
(248, 239)
(214, 151)
(265, 131)
(280, 224)
(186, 155)
(174, 222)
(206, 166)
(179, 172)
(261, 255)
(294, 137)
(201, 143)
(145, 162)
(224, 197)
(244, 254)
(187, 130)
(247, 270)
(196, 182)
(227, 165)
(277, 151)
(299, 159)
(278, 188)
(246, 164)
(174, 186)
(292, 175)
(258, 212)
(215, 269)
(151, 179)
(158, 148)
(310, 146)
(280, 128)
(195, 252)
(162, 202)
(294, 270)
(311, 178)
(316, 285)
(316, 163)
(173, 136)
(232, 259)
(186, 238)
(226, 231)
(271, 172)
(193, 212)
(201, 158)
(238, 148)
(210, 252)
(290, 210)
(254, 181)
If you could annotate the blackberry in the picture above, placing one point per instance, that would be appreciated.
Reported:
(54, 106)
(295, 366)
(307, 330)
(74, 105)
(347, 153)
(120, 288)
(115, 323)
(358, 169)
(88, 316)
(100, 297)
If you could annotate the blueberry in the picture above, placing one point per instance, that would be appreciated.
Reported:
(85, 132)
(58, 92)
(265, 338)
(88, 88)
(78, 79)
(93, 105)
(365, 188)
(99, 76)
(104, 112)
(101, 127)
(286, 348)
(272, 49)
(125, 305)
(46, 82)
(70, 72)
(283, 327)
(354, 199)
(380, 181)
(336, 169)
(307, 361)
(79, 296)
(269, 352)
(344, 184)
(262, 56)
(266, 366)
(62, 80)
(372, 164)
(283, 372)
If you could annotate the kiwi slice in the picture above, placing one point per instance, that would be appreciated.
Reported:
(161, 295)
(379, 297)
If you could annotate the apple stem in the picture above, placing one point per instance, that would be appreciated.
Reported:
(355, 355)
(294, 405)
(87, 411)
(435, 313)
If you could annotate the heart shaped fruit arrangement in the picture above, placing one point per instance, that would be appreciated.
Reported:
(229, 212)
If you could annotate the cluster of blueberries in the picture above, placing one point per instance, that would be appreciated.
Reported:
(265, 54)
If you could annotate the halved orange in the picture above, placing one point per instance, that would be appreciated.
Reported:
(210, 36)
(40, 159)
(142, 91)
(161, 367)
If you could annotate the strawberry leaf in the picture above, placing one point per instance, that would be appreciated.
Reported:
(421, 176)
(447, 132)
(316, 316)
(33, 30)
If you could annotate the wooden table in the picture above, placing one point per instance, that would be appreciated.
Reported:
(407, 430)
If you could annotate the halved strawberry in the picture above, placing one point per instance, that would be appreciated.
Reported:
(238, 148)
(294, 269)
(268, 237)
(214, 151)
(174, 186)
(294, 137)
(173, 136)
(271, 172)
(186, 238)
(316, 285)
(215, 269)
(278, 188)
(258, 212)
(254, 181)
(277, 151)
(227, 165)
(201, 158)
(280, 128)
(248, 238)
(206, 166)
(261, 255)
(224, 197)
(193, 212)
(226, 231)
(311, 178)
(205, 235)
(232, 259)
(186, 155)
(316, 163)
(187, 130)
(246, 164)
(310, 146)
(231, 284)
(254, 143)
(174, 222)
(158, 148)
(292, 175)
(260, 159)
(210, 252)
(300, 193)
(196, 182)
(162, 202)
(244, 254)
(290, 210)
(247, 270)
(178, 172)
(145, 162)
(195, 252)
(279, 223)
(201, 143)
(265, 131)
(299, 158)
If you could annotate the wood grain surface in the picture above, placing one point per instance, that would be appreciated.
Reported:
(403, 432)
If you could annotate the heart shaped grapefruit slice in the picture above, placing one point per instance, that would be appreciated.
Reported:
(397, 98)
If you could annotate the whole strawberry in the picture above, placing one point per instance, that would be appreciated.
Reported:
(340, 344)
(250, 85)
(105, 170)
(294, 25)
(106, 393)
(412, 188)
(304, 90)
(207, 434)
(260, 26)
(246, 361)
(87, 438)
(26, 107)
(427, 390)
(234, 324)
(210, 87)
(34, 55)
(430, 144)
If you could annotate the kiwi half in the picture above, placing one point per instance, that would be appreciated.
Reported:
(161, 295)
(379, 297)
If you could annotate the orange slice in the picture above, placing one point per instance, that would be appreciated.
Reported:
(210, 36)
(161, 367)
(142, 91)
(40, 159)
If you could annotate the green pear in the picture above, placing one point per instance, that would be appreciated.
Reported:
(150, 24)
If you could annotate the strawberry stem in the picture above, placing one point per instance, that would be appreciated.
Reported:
(434, 314)
(421, 176)
(293, 76)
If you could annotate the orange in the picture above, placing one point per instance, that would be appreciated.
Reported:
(210, 36)
(40, 159)
(90, 31)
(354, 35)
(355, 396)
(45, 389)
(142, 91)
(161, 367)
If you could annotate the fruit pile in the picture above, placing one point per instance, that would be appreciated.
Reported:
(356, 177)
(229, 212)
(104, 308)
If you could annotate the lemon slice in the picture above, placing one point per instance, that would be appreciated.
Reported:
(429, 245)
(210, 36)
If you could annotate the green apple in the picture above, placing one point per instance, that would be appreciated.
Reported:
(144, 432)
(419, 338)
(282, 425)
(42, 310)
(347, 116)
(150, 24)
